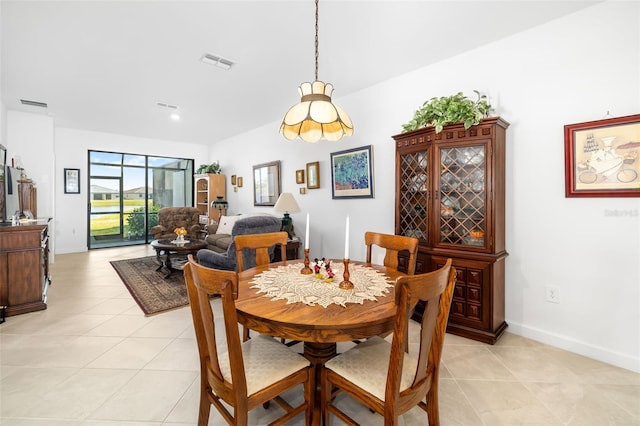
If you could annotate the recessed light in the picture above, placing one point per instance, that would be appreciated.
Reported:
(217, 61)
(175, 116)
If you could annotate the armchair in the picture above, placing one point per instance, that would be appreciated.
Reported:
(170, 218)
(247, 225)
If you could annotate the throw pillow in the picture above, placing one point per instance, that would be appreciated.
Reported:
(226, 224)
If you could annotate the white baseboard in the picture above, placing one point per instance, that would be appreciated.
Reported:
(572, 345)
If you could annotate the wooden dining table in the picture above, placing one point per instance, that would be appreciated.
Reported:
(319, 328)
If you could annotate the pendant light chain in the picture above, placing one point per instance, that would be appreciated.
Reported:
(317, 40)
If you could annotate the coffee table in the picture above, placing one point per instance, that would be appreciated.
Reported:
(166, 248)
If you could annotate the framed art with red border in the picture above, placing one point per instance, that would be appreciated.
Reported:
(601, 158)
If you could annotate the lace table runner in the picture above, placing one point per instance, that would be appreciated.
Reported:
(286, 282)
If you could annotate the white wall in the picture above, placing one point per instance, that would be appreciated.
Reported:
(571, 70)
(71, 148)
(28, 134)
(3, 120)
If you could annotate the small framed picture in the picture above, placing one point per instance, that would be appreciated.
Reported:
(601, 158)
(300, 176)
(233, 179)
(313, 175)
(71, 181)
(239, 182)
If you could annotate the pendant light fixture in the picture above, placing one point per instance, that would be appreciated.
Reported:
(315, 117)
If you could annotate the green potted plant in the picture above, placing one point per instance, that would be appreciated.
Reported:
(439, 112)
(209, 168)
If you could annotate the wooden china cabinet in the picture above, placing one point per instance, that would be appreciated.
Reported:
(450, 194)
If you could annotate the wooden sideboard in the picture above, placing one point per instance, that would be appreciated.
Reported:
(24, 267)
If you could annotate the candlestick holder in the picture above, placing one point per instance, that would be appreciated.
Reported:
(306, 270)
(346, 284)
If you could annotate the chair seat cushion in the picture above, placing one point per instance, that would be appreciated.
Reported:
(366, 365)
(266, 361)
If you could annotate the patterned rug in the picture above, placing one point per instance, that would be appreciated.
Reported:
(151, 291)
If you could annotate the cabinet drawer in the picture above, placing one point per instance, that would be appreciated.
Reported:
(20, 240)
(474, 295)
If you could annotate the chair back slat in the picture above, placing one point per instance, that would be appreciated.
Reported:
(393, 244)
(261, 243)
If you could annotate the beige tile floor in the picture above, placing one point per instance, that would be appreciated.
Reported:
(93, 358)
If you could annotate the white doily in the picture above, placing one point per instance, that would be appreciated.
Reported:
(287, 283)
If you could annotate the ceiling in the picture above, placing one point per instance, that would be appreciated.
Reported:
(104, 65)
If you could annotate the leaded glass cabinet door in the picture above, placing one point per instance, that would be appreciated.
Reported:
(462, 196)
(413, 194)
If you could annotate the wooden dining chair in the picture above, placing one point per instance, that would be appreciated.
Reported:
(393, 244)
(381, 375)
(261, 243)
(245, 374)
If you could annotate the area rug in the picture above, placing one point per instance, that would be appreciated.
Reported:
(151, 291)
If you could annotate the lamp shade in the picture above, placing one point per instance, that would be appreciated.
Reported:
(315, 117)
(219, 203)
(286, 203)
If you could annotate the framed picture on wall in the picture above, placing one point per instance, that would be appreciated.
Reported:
(601, 158)
(300, 176)
(71, 181)
(313, 175)
(352, 173)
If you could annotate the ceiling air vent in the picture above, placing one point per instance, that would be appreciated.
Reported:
(165, 105)
(218, 61)
(33, 103)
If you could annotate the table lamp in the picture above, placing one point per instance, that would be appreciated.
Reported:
(287, 204)
(220, 204)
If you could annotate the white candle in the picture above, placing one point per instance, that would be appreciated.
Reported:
(346, 240)
(306, 235)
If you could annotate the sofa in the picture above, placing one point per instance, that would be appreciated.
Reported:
(221, 251)
(170, 218)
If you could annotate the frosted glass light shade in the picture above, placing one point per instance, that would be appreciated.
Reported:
(315, 117)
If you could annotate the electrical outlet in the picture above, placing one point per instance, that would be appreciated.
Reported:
(552, 294)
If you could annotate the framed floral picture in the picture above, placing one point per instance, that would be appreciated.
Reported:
(601, 158)
(352, 173)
